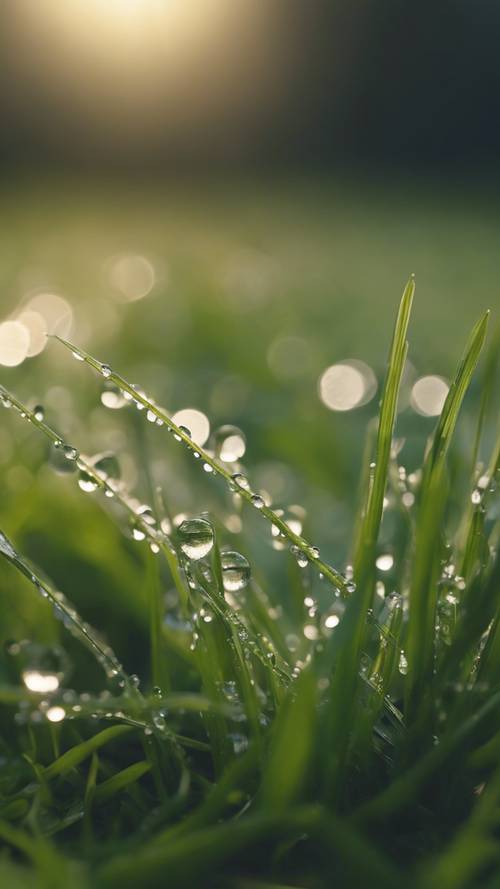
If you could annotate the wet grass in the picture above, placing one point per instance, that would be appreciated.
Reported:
(292, 721)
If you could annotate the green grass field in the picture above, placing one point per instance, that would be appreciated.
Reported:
(242, 710)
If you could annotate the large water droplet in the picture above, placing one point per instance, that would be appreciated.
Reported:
(86, 482)
(196, 538)
(229, 444)
(39, 413)
(107, 466)
(70, 452)
(235, 571)
(106, 370)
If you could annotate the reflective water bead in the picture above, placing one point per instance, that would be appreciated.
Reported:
(257, 501)
(86, 482)
(107, 466)
(77, 356)
(70, 452)
(196, 538)
(235, 571)
(39, 413)
(137, 532)
(300, 556)
(106, 370)
(241, 481)
(403, 664)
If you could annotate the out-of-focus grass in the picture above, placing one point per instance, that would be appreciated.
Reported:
(239, 266)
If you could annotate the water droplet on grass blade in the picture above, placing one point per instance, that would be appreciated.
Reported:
(86, 482)
(300, 556)
(196, 538)
(106, 370)
(39, 413)
(70, 452)
(241, 481)
(235, 571)
(257, 501)
(107, 466)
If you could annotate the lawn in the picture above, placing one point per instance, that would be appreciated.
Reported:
(276, 659)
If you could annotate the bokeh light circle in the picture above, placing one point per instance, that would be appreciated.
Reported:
(428, 395)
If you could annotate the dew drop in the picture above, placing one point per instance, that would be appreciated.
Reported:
(39, 413)
(235, 571)
(300, 556)
(403, 664)
(106, 370)
(78, 357)
(137, 532)
(196, 538)
(70, 452)
(257, 501)
(241, 481)
(86, 482)
(107, 466)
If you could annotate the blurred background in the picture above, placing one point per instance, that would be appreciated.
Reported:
(224, 199)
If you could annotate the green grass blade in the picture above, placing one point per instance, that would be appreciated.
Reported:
(118, 782)
(350, 634)
(77, 626)
(328, 571)
(423, 592)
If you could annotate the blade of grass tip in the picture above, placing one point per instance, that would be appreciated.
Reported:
(156, 539)
(72, 621)
(207, 460)
(423, 589)
(445, 428)
(349, 635)
(120, 781)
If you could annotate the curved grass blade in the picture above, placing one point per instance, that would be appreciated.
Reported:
(101, 482)
(72, 621)
(328, 571)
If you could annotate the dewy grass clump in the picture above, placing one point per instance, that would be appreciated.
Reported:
(341, 734)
